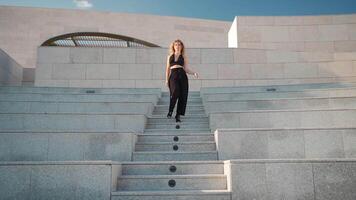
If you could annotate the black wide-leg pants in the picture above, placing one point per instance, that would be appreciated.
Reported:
(178, 88)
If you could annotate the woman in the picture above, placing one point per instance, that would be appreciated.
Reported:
(176, 78)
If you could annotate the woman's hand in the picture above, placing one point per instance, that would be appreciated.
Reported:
(167, 84)
(196, 75)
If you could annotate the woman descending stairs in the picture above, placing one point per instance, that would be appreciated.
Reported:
(171, 163)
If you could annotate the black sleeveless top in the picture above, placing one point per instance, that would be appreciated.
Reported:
(180, 60)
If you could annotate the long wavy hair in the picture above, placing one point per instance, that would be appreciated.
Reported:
(171, 47)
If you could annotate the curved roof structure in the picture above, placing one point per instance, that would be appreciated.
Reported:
(96, 39)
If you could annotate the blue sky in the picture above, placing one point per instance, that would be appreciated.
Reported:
(206, 9)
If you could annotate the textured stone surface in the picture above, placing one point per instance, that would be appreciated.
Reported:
(59, 181)
(285, 143)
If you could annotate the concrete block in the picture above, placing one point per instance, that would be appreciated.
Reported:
(119, 55)
(303, 33)
(14, 107)
(68, 71)
(288, 20)
(8, 122)
(316, 20)
(130, 123)
(290, 180)
(51, 83)
(242, 145)
(301, 70)
(94, 182)
(275, 34)
(206, 71)
(53, 55)
(159, 71)
(282, 57)
(135, 71)
(342, 46)
(255, 20)
(267, 71)
(234, 71)
(316, 56)
(249, 34)
(336, 69)
(317, 46)
(285, 46)
(43, 71)
(345, 56)
(65, 146)
(102, 71)
(194, 84)
(15, 182)
(86, 83)
(215, 56)
(150, 84)
(249, 56)
(86, 55)
(344, 19)
(151, 55)
(217, 83)
(316, 119)
(352, 31)
(77, 182)
(285, 144)
(333, 32)
(349, 141)
(249, 181)
(193, 56)
(118, 83)
(323, 145)
(334, 180)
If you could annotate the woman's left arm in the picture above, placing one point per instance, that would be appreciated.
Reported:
(187, 69)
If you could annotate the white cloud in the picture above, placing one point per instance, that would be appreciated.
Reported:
(83, 4)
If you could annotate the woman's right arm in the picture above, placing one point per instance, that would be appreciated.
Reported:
(167, 71)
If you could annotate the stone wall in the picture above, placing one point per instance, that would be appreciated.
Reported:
(23, 29)
(293, 179)
(10, 70)
(145, 67)
(326, 33)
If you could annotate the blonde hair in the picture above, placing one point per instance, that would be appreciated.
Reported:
(171, 47)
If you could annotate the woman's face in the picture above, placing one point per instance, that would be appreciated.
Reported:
(177, 47)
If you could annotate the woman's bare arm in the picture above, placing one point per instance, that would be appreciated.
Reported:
(187, 69)
(167, 71)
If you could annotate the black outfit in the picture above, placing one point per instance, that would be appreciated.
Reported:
(178, 86)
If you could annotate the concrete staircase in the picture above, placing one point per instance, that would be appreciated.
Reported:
(170, 163)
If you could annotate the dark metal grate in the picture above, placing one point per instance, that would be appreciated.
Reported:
(88, 39)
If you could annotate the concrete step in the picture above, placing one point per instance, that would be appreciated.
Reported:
(279, 95)
(281, 104)
(338, 118)
(160, 108)
(173, 138)
(190, 125)
(190, 111)
(164, 119)
(171, 156)
(187, 113)
(72, 122)
(286, 88)
(167, 96)
(193, 99)
(80, 97)
(170, 195)
(174, 131)
(176, 146)
(75, 107)
(171, 182)
(172, 168)
(72, 90)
